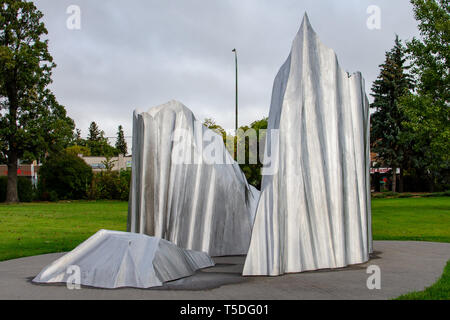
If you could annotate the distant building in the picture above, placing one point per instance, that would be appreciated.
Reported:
(98, 163)
(23, 170)
(380, 176)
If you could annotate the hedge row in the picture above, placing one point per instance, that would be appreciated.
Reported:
(65, 176)
(24, 186)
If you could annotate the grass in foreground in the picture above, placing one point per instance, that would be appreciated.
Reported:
(415, 219)
(438, 291)
(40, 228)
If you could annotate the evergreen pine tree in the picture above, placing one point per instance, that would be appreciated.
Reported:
(98, 143)
(94, 132)
(121, 144)
(388, 134)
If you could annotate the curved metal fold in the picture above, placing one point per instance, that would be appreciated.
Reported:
(195, 204)
(314, 212)
(112, 259)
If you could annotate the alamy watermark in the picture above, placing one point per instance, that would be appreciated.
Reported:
(74, 279)
(374, 19)
(73, 22)
(204, 146)
(374, 280)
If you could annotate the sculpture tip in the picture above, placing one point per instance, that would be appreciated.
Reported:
(306, 20)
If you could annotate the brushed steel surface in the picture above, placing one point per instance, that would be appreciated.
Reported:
(315, 212)
(197, 205)
(112, 259)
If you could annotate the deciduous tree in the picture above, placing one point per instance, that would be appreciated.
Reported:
(31, 120)
(427, 109)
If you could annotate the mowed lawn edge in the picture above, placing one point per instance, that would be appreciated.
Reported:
(41, 228)
(411, 219)
(438, 291)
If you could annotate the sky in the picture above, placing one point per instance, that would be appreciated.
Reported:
(137, 54)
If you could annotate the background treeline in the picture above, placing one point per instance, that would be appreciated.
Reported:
(409, 129)
(410, 125)
(96, 144)
(65, 176)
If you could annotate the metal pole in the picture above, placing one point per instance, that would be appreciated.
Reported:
(237, 88)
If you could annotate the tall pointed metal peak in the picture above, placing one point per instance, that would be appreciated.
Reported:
(306, 18)
(313, 98)
(306, 26)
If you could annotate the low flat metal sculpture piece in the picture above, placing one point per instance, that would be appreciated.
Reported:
(197, 204)
(112, 259)
(315, 212)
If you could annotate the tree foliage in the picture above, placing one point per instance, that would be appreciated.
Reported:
(121, 144)
(31, 120)
(79, 149)
(96, 142)
(65, 175)
(252, 171)
(388, 134)
(211, 124)
(427, 109)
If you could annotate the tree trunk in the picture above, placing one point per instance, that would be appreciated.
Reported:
(11, 190)
(432, 183)
(401, 187)
(394, 179)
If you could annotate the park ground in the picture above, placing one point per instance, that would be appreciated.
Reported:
(40, 228)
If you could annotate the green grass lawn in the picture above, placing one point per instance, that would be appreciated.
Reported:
(39, 228)
(417, 219)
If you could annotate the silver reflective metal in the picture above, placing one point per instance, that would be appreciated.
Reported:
(197, 204)
(112, 259)
(315, 212)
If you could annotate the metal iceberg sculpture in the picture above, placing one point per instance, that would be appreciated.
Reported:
(314, 212)
(112, 259)
(185, 187)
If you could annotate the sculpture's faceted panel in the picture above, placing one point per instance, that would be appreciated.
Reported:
(314, 212)
(112, 259)
(200, 203)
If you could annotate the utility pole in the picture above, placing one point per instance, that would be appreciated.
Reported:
(237, 88)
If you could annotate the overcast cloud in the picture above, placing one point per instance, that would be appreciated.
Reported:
(136, 54)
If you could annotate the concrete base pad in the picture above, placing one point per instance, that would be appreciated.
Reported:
(405, 267)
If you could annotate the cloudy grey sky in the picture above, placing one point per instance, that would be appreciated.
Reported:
(136, 54)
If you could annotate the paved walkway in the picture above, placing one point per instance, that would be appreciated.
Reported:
(405, 267)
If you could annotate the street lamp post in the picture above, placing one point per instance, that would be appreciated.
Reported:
(237, 88)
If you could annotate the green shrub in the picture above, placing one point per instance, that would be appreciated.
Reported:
(390, 194)
(110, 185)
(428, 195)
(3, 184)
(125, 182)
(25, 189)
(53, 196)
(405, 195)
(64, 176)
